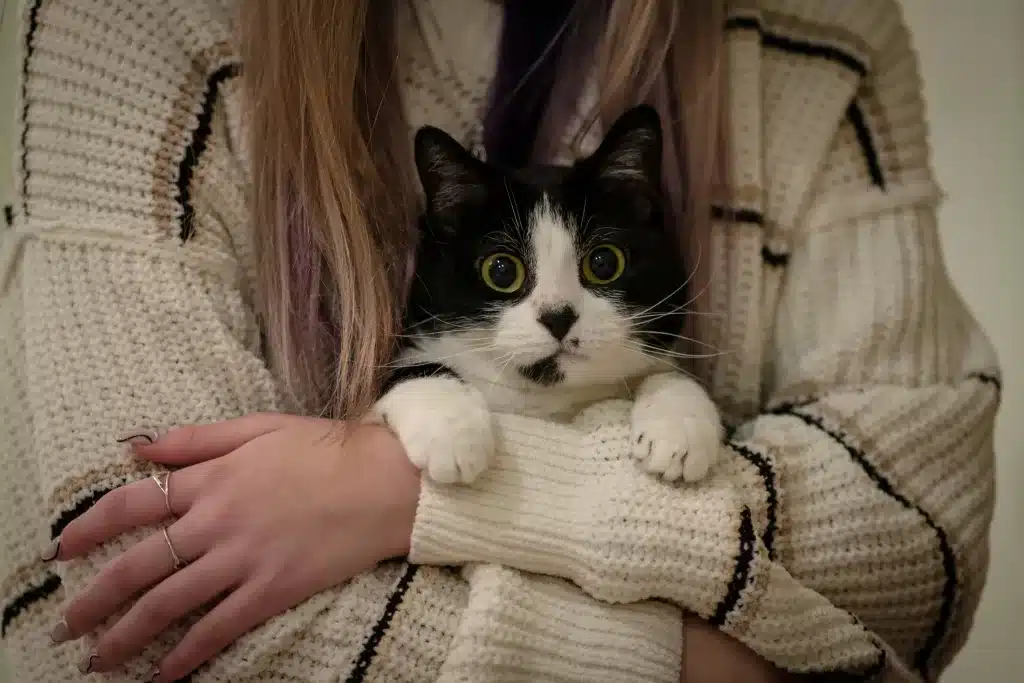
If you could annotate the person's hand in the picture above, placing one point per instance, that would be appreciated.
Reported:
(710, 656)
(271, 509)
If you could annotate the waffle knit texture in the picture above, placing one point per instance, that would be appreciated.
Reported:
(847, 534)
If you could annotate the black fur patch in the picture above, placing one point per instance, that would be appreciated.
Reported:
(418, 371)
(544, 372)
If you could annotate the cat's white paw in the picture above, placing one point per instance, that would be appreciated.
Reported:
(676, 429)
(675, 447)
(443, 424)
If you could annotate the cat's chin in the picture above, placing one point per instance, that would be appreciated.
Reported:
(552, 368)
(573, 369)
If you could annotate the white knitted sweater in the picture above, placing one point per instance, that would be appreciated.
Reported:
(846, 535)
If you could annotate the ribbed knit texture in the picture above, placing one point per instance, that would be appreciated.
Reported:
(847, 534)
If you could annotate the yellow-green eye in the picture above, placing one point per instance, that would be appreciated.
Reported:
(503, 273)
(604, 264)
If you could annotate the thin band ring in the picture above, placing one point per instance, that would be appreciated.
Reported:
(163, 482)
(178, 563)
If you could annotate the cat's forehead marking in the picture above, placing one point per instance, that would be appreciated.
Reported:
(554, 255)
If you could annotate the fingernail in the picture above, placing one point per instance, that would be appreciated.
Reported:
(51, 552)
(85, 664)
(61, 632)
(153, 674)
(138, 436)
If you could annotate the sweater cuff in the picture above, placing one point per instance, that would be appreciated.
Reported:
(522, 511)
(546, 629)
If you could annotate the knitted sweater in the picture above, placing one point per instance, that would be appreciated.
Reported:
(847, 533)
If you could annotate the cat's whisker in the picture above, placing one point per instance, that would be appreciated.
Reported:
(444, 334)
(678, 354)
(664, 299)
(446, 326)
(703, 289)
(673, 366)
(461, 353)
(681, 338)
(676, 311)
(517, 220)
(504, 360)
(686, 282)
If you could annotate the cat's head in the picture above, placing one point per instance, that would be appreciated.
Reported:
(565, 276)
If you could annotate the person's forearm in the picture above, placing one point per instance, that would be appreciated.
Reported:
(710, 656)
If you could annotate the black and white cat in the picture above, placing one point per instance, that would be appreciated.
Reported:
(538, 293)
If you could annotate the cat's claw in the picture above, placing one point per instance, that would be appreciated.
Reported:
(444, 426)
(675, 447)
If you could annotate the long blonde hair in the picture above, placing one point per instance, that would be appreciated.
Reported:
(333, 199)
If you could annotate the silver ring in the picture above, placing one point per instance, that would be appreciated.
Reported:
(178, 564)
(163, 482)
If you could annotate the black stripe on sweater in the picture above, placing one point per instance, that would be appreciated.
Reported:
(724, 213)
(9, 215)
(786, 407)
(775, 259)
(369, 650)
(986, 378)
(200, 136)
(30, 46)
(52, 583)
(938, 633)
(49, 586)
(805, 48)
(741, 570)
(766, 470)
(855, 115)
(79, 509)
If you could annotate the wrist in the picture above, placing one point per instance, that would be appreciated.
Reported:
(398, 485)
(711, 656)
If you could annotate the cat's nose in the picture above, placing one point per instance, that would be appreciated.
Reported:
(558, 320)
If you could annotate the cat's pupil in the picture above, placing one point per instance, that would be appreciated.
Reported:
(603, 263)
(503, 272)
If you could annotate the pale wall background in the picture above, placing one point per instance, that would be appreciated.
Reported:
(972, 54)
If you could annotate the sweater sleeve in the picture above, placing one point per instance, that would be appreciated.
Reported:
(848, 534)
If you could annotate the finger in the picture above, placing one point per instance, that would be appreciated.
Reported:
(180, 594)
(197, 443)
(128, 507)
(239, 613)
(142, 566)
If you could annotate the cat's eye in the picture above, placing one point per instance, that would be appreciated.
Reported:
(604, 264)
(503, 273)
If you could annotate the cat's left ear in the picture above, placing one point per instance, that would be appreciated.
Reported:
(451, 176)
(631, 150)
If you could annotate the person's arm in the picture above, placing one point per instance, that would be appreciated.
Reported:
(850, 532)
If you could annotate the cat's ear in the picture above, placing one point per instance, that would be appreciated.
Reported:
(450, 175)
(631, 150)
